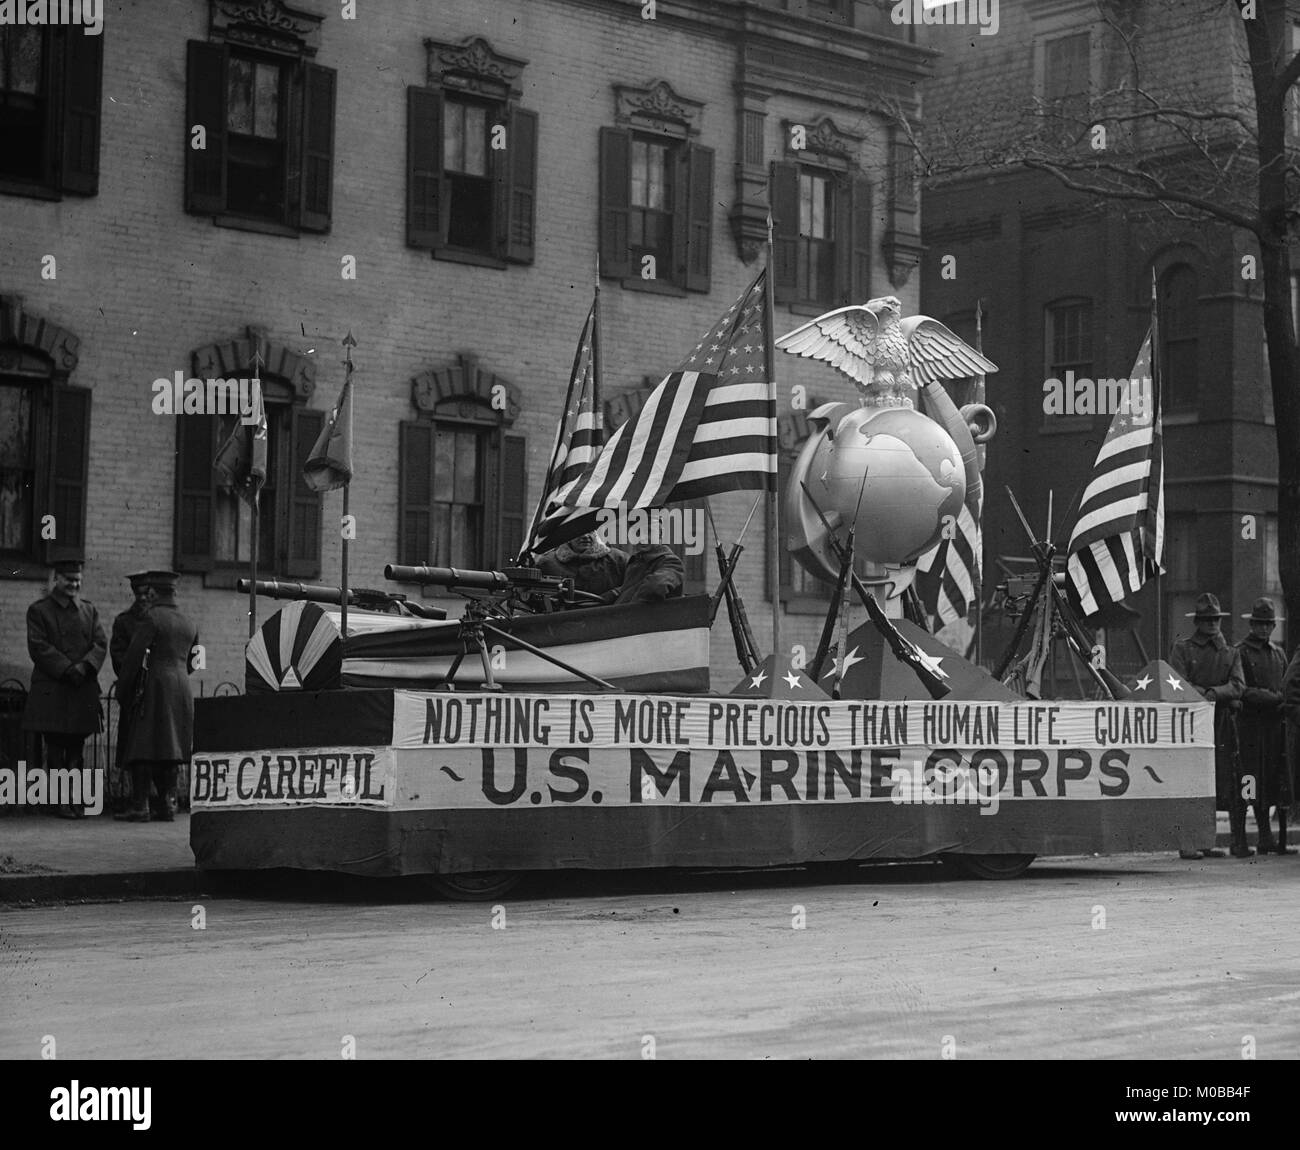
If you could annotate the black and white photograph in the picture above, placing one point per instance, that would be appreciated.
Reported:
(651, 529)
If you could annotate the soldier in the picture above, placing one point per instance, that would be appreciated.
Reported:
(155, 680)
(1210, 664)
(67, 646)
(1291, 711)
(1262, 727)
(592, 564)
(124, 627)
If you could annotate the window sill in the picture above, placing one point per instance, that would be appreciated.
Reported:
(462, 256)
(264, 227)
(23, 570)
(32, 191)
(655, 287)
(811, 309)
(1183, 418)
(804, 605)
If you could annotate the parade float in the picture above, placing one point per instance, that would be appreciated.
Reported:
(540, 732)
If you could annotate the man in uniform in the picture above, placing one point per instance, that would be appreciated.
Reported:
(124, 627)
(155, 678)
(1262, 727)
(1212, 666)
(1291, 712)
(592, 564)
(67, 645)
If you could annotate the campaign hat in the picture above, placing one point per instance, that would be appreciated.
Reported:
(1263, 611)
(1207, 607)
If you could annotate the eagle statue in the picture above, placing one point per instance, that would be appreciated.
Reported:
(899, 476)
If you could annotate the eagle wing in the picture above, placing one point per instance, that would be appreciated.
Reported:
(937, 353)
(845, 338)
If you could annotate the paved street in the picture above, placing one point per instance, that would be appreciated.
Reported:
(1128, 957)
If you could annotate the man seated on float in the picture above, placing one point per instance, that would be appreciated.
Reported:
(652, 571)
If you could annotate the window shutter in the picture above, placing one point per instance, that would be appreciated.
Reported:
(82, 78)
(615, 202)
(196, 491)
(303, 541)
(513, 497)
(69, 464)
(785, 230)
(205, 104)
(517, 179)
(697, 218)
(861, 287)
(317, 149)
(427, 203)
(415, 493)
(845, 217)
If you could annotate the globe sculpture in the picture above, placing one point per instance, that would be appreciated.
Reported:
(898, 477)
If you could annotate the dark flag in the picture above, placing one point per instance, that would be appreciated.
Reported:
(241, 458)
(1118, 538)
(329, 466)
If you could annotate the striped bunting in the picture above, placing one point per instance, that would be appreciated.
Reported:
(1118, 538)
(578, 440)
(956, 566)
(709, 427)
(297, 648)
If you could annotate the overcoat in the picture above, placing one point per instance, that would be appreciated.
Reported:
(124, 629)
(1291, 710)
(1211, 662)
(60, 632)
(1261, 725)
(160, 726)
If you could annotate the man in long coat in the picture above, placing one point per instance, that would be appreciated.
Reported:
(67, 646)
(1213, 667)
(1262, 727)
(155, 681)
(124, 628)
(1291, 712)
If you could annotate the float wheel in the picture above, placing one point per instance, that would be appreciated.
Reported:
(990, 867)
(474, 886)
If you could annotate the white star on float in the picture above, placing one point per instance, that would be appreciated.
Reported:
(931, 663)
(840, 666)
(1175, 683)
(1144, 682)
(757, 680)
(793, 679)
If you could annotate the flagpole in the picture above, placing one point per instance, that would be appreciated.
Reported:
(980, 392)
(773, 524)
(256, 512)
(349, 343)
(597, 360)
(1155, 414)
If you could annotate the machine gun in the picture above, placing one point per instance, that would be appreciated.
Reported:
(507, 589)
(363, 598)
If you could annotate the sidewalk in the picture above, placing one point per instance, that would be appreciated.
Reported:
(44, 858)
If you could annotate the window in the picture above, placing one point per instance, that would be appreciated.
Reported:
(1068, 348)
(821, 236)
(656, 210)
(1067, 69)
(49, 110)
(267, 119)
(214, 526)
(462, 493)
(471, 159)
(1178, 296)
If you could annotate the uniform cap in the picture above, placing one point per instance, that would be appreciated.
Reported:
(163, 580)
(1207, 607)
(137, 578)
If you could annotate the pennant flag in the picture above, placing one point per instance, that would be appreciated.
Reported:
(578, 440)
(709, 427)
(776, 677)
(955, 567)
(329, 466)
(1118, 538)
(241, 458)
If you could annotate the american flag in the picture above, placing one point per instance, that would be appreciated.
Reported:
(710, 426)
(578, 440)
(1118, 539)
(956, 563)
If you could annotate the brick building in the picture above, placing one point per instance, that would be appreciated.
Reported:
(1065, 282)
(212, 182)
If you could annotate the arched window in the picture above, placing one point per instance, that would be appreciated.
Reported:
(1178, 296)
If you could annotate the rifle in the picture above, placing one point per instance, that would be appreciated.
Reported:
(746, 647)
(904, 651)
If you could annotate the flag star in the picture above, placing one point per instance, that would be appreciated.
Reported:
(733, 351)
(793, 679)
(749, 347)
(709, 359)
(757, 680)
(735, 371)
(1144, 682)
(715, 347)
(931, 664)
(1175, 683)
(749, 367)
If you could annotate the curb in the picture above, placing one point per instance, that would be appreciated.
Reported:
(121, 884)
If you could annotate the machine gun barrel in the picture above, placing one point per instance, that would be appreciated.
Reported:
(516, 578)
(313, 592)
